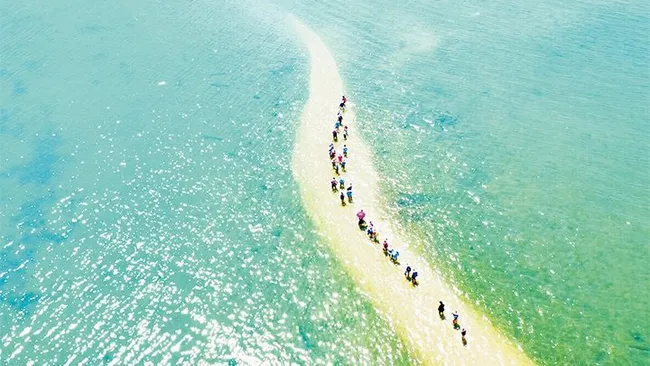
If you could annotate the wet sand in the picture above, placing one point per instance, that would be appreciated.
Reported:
(411, 311)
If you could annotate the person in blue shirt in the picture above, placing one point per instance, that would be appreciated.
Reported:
(349, 193)
(395, 256)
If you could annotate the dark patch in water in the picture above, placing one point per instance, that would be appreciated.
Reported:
(640, 344)
(413, 199)
(52, 237)
(33, 65)
(276, 232)
(32, 214)
(211, 137)
(285, 68)
(23, 303)
(641, 348)
(33, 231)
(637, 337)
(232, 362)
(107, 358)
(41, 169)
(305, 338)
(446, 119)
(19, 87)
(8, 261)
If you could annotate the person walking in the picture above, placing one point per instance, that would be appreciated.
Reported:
(395, 256)
(361, 215)
(441, 310)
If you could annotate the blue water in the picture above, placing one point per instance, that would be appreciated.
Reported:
(148, 213)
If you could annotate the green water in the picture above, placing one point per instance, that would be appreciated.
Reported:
(148, 213)
(522, 163)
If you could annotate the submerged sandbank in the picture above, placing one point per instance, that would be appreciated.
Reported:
(412, 312)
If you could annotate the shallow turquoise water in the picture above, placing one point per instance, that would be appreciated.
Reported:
(148, 211)
(513, 142)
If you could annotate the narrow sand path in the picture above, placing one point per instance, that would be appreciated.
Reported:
(412, 312)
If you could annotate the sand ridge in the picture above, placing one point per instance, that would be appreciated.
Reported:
(412, 312)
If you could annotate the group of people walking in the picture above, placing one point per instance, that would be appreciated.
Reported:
(339, 159)
(454, 322)
(339, 166)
